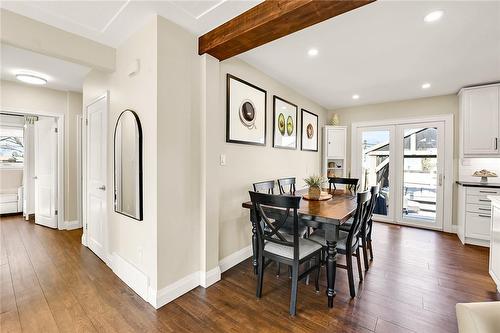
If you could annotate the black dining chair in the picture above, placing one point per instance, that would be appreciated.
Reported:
(265, 186)
(348, 242)
(342, 181)
(275, 245)
(367, 227)
(290, 182)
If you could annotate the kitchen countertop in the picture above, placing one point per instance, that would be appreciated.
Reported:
(478, 184)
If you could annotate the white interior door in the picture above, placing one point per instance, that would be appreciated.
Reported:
(46, 172)
(96, 203)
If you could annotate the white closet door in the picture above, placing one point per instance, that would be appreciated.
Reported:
(46, 172)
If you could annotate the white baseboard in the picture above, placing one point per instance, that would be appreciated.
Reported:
(174, 290)
(478, 242)
(71, 225)
(131, 275)
(235, 258)
(209, 278)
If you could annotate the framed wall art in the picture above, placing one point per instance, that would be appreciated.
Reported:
(309, 131)
(245, 112)
(284, 124)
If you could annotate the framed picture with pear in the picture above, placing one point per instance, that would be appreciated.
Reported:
(284, 124)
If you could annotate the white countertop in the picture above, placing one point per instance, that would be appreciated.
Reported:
(495, 200)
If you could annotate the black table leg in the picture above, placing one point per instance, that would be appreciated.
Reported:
(331, 269)
(255, 249)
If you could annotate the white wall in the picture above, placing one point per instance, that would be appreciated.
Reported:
(228, 186)
(178, 149)
(131, 241)
(44, 101)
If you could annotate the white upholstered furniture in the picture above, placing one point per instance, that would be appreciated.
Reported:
(483, 317)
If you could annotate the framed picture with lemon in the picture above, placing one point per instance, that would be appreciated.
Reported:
(284, 124)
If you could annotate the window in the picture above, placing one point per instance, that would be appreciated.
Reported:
(11, 147)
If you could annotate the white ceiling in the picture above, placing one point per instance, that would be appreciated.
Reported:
(61, 75)
(384, 52)
(112, 22)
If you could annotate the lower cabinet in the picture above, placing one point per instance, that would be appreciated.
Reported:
(495, 242)
(474, 220)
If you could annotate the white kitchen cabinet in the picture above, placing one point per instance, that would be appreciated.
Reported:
(495, 241)
(474, 214)
(334, 151)
(480, 121)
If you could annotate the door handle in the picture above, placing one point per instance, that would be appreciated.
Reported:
(496, 143)
(440, 179)
(35, 177)
(103, 188)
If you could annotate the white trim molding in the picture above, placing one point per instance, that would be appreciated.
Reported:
(131, 275)
(72, 225)
(209, 278)
(235, 258)
(178, 288)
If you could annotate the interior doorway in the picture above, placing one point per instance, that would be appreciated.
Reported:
(31, 157)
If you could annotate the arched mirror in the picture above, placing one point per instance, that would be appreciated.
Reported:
(128, 165)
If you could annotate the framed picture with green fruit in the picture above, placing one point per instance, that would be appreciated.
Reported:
(284, 124)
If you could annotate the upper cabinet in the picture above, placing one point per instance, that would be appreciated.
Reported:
(480, 121)
(334, 151)
(335, 144)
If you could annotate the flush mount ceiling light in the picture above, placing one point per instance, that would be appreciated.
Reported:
(433, 16)
(312, 52)
(426, 85)
(31, 78)
(355, 96)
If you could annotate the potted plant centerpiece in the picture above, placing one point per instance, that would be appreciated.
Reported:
(314, 183)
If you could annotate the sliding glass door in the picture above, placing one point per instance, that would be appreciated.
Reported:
(406, 160)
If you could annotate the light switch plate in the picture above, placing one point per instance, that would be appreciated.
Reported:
(222, 159)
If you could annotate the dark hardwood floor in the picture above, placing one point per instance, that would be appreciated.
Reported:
(50, 283)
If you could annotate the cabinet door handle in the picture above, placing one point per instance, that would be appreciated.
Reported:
(496, 143)
(488, 216)
(484, 200)
(492, 192)
(487, 209)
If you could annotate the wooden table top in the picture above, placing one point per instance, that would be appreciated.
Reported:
(337, 210)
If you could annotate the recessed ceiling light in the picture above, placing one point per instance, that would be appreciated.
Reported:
(31, 78)
(312, 52)
(433, 16)
(426, 85)
(356, 96)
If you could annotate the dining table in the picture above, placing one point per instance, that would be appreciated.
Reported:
(328, 215)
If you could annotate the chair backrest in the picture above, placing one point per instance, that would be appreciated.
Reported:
(375, 192)
(287, 182)
(264, 187)
(359, 217)
(344, 181)
(269, 229)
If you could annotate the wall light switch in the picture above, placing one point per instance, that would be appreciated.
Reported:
(222, 159)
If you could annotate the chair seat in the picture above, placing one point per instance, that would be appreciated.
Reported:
(319, 237)
(306, 247)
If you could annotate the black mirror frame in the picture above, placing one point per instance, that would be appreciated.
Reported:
(139, 128)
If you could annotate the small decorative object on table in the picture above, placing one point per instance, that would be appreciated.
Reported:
(484, 174)
(314, 192)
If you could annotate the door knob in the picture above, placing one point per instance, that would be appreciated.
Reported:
(35, 177)
(103, 188)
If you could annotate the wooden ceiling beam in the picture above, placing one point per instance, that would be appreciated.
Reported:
(268, 21)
